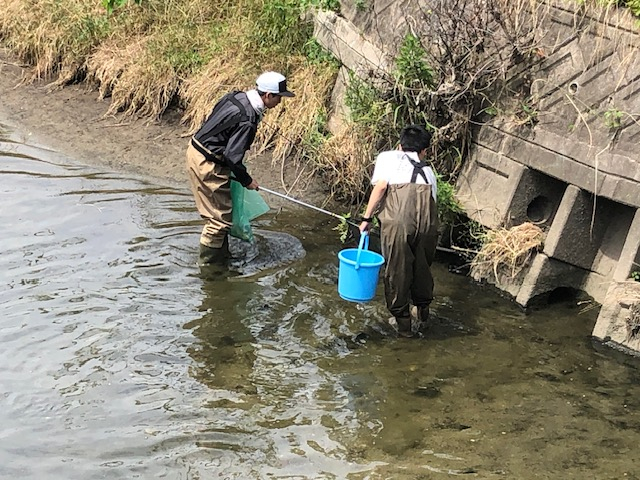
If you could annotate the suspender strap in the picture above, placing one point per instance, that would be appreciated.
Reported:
(417, 170)
(243, 116)
(233, 120)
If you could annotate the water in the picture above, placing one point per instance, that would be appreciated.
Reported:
(121, 359)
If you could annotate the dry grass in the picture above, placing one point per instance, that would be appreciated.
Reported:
(53, 36)
(109, 61)
(145, 57)
(507, 251)
(136, 83)
(201, 91)
(287, 130)
(633, 322)
(345, 160)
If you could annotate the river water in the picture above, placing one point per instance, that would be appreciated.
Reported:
(122, 359)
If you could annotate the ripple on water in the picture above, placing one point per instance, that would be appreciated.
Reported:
(120, 360)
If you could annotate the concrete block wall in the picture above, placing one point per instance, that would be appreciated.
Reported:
(497, 188)
(592, 192)
(586, 239)
(487, 187)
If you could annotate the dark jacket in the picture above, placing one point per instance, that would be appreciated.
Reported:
(229, 132)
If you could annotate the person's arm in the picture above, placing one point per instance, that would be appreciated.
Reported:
(374, 200)
(433, 181)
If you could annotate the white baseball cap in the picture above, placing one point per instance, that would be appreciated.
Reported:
(273, 82)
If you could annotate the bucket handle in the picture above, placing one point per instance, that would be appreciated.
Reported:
(363, 245)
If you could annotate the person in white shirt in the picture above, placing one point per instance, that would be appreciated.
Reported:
(404, 198)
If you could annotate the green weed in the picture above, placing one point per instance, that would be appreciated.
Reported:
(278, 26)
(333, 5)
(110, 5)
(412, 70)
(613, 118)
(634, 6)
(448, 206)
(365, 102)
(315, 136)
(361, 5)
(317, 54)
(343, 228)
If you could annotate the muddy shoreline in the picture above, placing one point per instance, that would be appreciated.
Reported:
(72, 121)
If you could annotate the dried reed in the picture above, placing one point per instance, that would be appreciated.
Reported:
(507, 251)
(633, 322)
(201, 91)
(53, 36)
(345, 161)
(286, 131)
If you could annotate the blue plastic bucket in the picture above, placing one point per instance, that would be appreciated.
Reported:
(358, 272)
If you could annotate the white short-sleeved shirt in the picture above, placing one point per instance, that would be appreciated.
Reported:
(393, 167)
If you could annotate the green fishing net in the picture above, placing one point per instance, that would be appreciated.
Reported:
(247, 205)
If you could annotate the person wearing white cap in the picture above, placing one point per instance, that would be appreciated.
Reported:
(217, 150)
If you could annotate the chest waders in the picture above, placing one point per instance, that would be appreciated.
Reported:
(409, 233)
(209, 179)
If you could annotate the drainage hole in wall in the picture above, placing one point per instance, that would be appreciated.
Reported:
(562, 295)
(539, 209)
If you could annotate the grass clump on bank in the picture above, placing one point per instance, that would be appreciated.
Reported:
(148, 55)
(506, 252)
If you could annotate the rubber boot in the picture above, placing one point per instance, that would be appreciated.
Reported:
(422, 318)
(404, 326)
(423, 313)
(215, 256)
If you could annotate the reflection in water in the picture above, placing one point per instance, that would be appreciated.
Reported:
(121, 359)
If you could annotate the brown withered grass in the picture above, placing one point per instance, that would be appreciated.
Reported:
(201, 91)
(136, 83)
(53, 36)
(286, 129)
(143, 58)
(506, 252)
(345, 160)
(110, 60)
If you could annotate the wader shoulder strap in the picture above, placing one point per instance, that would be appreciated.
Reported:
(417, 170)
(244, 115)
(233, 120)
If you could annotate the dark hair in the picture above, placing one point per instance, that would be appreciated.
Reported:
(415, 138)
(261, 93)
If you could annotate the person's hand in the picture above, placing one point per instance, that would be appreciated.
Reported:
(365, 226)
(253, 185)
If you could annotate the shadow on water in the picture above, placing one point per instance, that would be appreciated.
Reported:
(132, 363)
